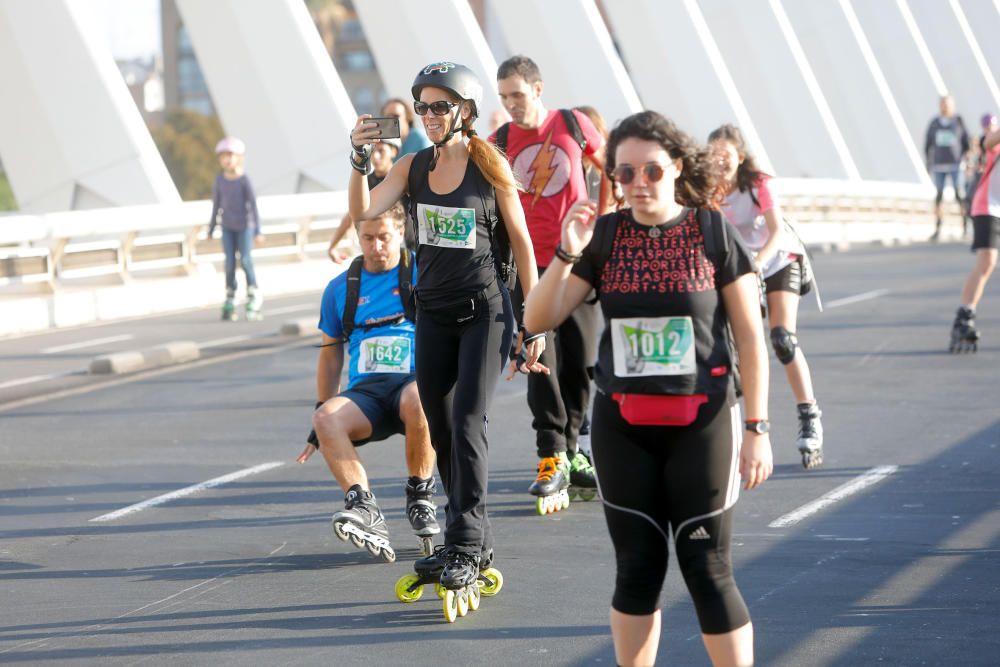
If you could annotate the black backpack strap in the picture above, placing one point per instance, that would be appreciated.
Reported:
(405, 273)
(500, 140)
(716, 238)
(603, 242)
(416, 180)
(573, 125)
(353, 294)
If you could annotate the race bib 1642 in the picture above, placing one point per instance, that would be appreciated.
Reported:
(385, 354)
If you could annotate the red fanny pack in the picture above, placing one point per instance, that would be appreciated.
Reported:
(658, 409)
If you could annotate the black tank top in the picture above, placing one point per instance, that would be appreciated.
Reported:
(454, 257)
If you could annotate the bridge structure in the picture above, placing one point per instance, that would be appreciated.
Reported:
(833, 95)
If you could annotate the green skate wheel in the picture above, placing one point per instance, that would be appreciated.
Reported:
(541, 506)
(493, 583)
(440, 591)
(404, 586)
(450, 606)
(588, 494)
(463, 602)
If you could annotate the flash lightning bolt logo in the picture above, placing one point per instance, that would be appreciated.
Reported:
(541, 168)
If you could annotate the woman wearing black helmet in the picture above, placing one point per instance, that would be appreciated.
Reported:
(465, 322)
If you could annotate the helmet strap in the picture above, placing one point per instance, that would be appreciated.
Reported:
(453, 118)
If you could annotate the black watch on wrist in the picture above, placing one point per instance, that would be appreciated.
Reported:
(758, 426)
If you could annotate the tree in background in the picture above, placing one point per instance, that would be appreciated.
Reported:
(187, 144)
(7, 201)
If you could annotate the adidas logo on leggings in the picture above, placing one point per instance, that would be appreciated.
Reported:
(700, 534)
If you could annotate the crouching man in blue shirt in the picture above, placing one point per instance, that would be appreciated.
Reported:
(369, 309)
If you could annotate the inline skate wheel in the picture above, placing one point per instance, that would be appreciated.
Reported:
(463, 602)
(407, 590)
(338, 529)
(493, 583)
(474, 597)
(450, 606)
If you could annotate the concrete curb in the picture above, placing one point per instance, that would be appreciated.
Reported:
(303, 326)
(175, 352)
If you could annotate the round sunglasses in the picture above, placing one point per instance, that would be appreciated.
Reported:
(626, 173)
(439, 108)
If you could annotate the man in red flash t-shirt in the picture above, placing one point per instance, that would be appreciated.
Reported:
(547, 160)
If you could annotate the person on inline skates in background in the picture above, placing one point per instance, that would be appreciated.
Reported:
(755, 213)
(667, 434)
(465, 321)
(384, 153)
(233, 197)
(985, 233)
(547, 150)
(945, 146)
(368, 309)
(976, 163)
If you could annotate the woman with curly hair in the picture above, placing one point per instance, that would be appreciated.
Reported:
(673, 279)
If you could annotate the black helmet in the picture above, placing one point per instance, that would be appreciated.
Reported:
(457, 79)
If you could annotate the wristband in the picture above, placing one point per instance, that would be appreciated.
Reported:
(567, 257)
(365, 168)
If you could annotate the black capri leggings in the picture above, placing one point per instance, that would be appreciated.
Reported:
(458, 365)
(684, 479)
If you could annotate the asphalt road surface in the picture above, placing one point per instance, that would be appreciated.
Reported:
(889, 554)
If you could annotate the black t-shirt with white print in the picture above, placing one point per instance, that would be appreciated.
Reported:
(663, 312)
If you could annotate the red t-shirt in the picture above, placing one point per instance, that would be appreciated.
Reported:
(547, 163)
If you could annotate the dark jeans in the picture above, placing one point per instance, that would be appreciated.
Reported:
(234, 241)
(559, 401)
(458, 365)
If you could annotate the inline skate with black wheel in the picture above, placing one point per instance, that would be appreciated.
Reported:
(422, 512)
(810, 437)
(964, 335)
(551, 486)
(472, 581)
(362, 523)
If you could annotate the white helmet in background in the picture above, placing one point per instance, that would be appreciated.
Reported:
(231, 145)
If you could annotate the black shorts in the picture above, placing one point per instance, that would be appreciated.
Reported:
(985, 231)
(788, 279)
(378, 396)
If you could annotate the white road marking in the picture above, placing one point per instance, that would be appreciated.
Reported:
(864, 296)
(224, 341)
(860, 482)
(86, 343)
(291, 309)
(28, 380)
(187, 491)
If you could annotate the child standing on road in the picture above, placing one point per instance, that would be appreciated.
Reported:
(234, 198)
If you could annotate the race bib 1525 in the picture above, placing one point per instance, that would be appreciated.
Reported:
(446, 226)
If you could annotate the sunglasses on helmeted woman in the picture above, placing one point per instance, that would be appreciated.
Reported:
(439, 108)
(625, 173)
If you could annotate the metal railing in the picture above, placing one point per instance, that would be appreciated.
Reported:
(56, 249)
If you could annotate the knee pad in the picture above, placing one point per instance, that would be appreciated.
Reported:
(784, 343)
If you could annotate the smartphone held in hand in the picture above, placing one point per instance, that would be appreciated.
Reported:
(388, 127)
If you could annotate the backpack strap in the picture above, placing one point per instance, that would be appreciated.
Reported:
(573, 125)
(716, 238)
(500, 140)
(405, 273)
(353, 294)
(416, 180)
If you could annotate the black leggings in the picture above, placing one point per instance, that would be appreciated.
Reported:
(458, 365)
(559, 401)
(654, 479)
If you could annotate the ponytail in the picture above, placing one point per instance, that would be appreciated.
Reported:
(490, 161)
